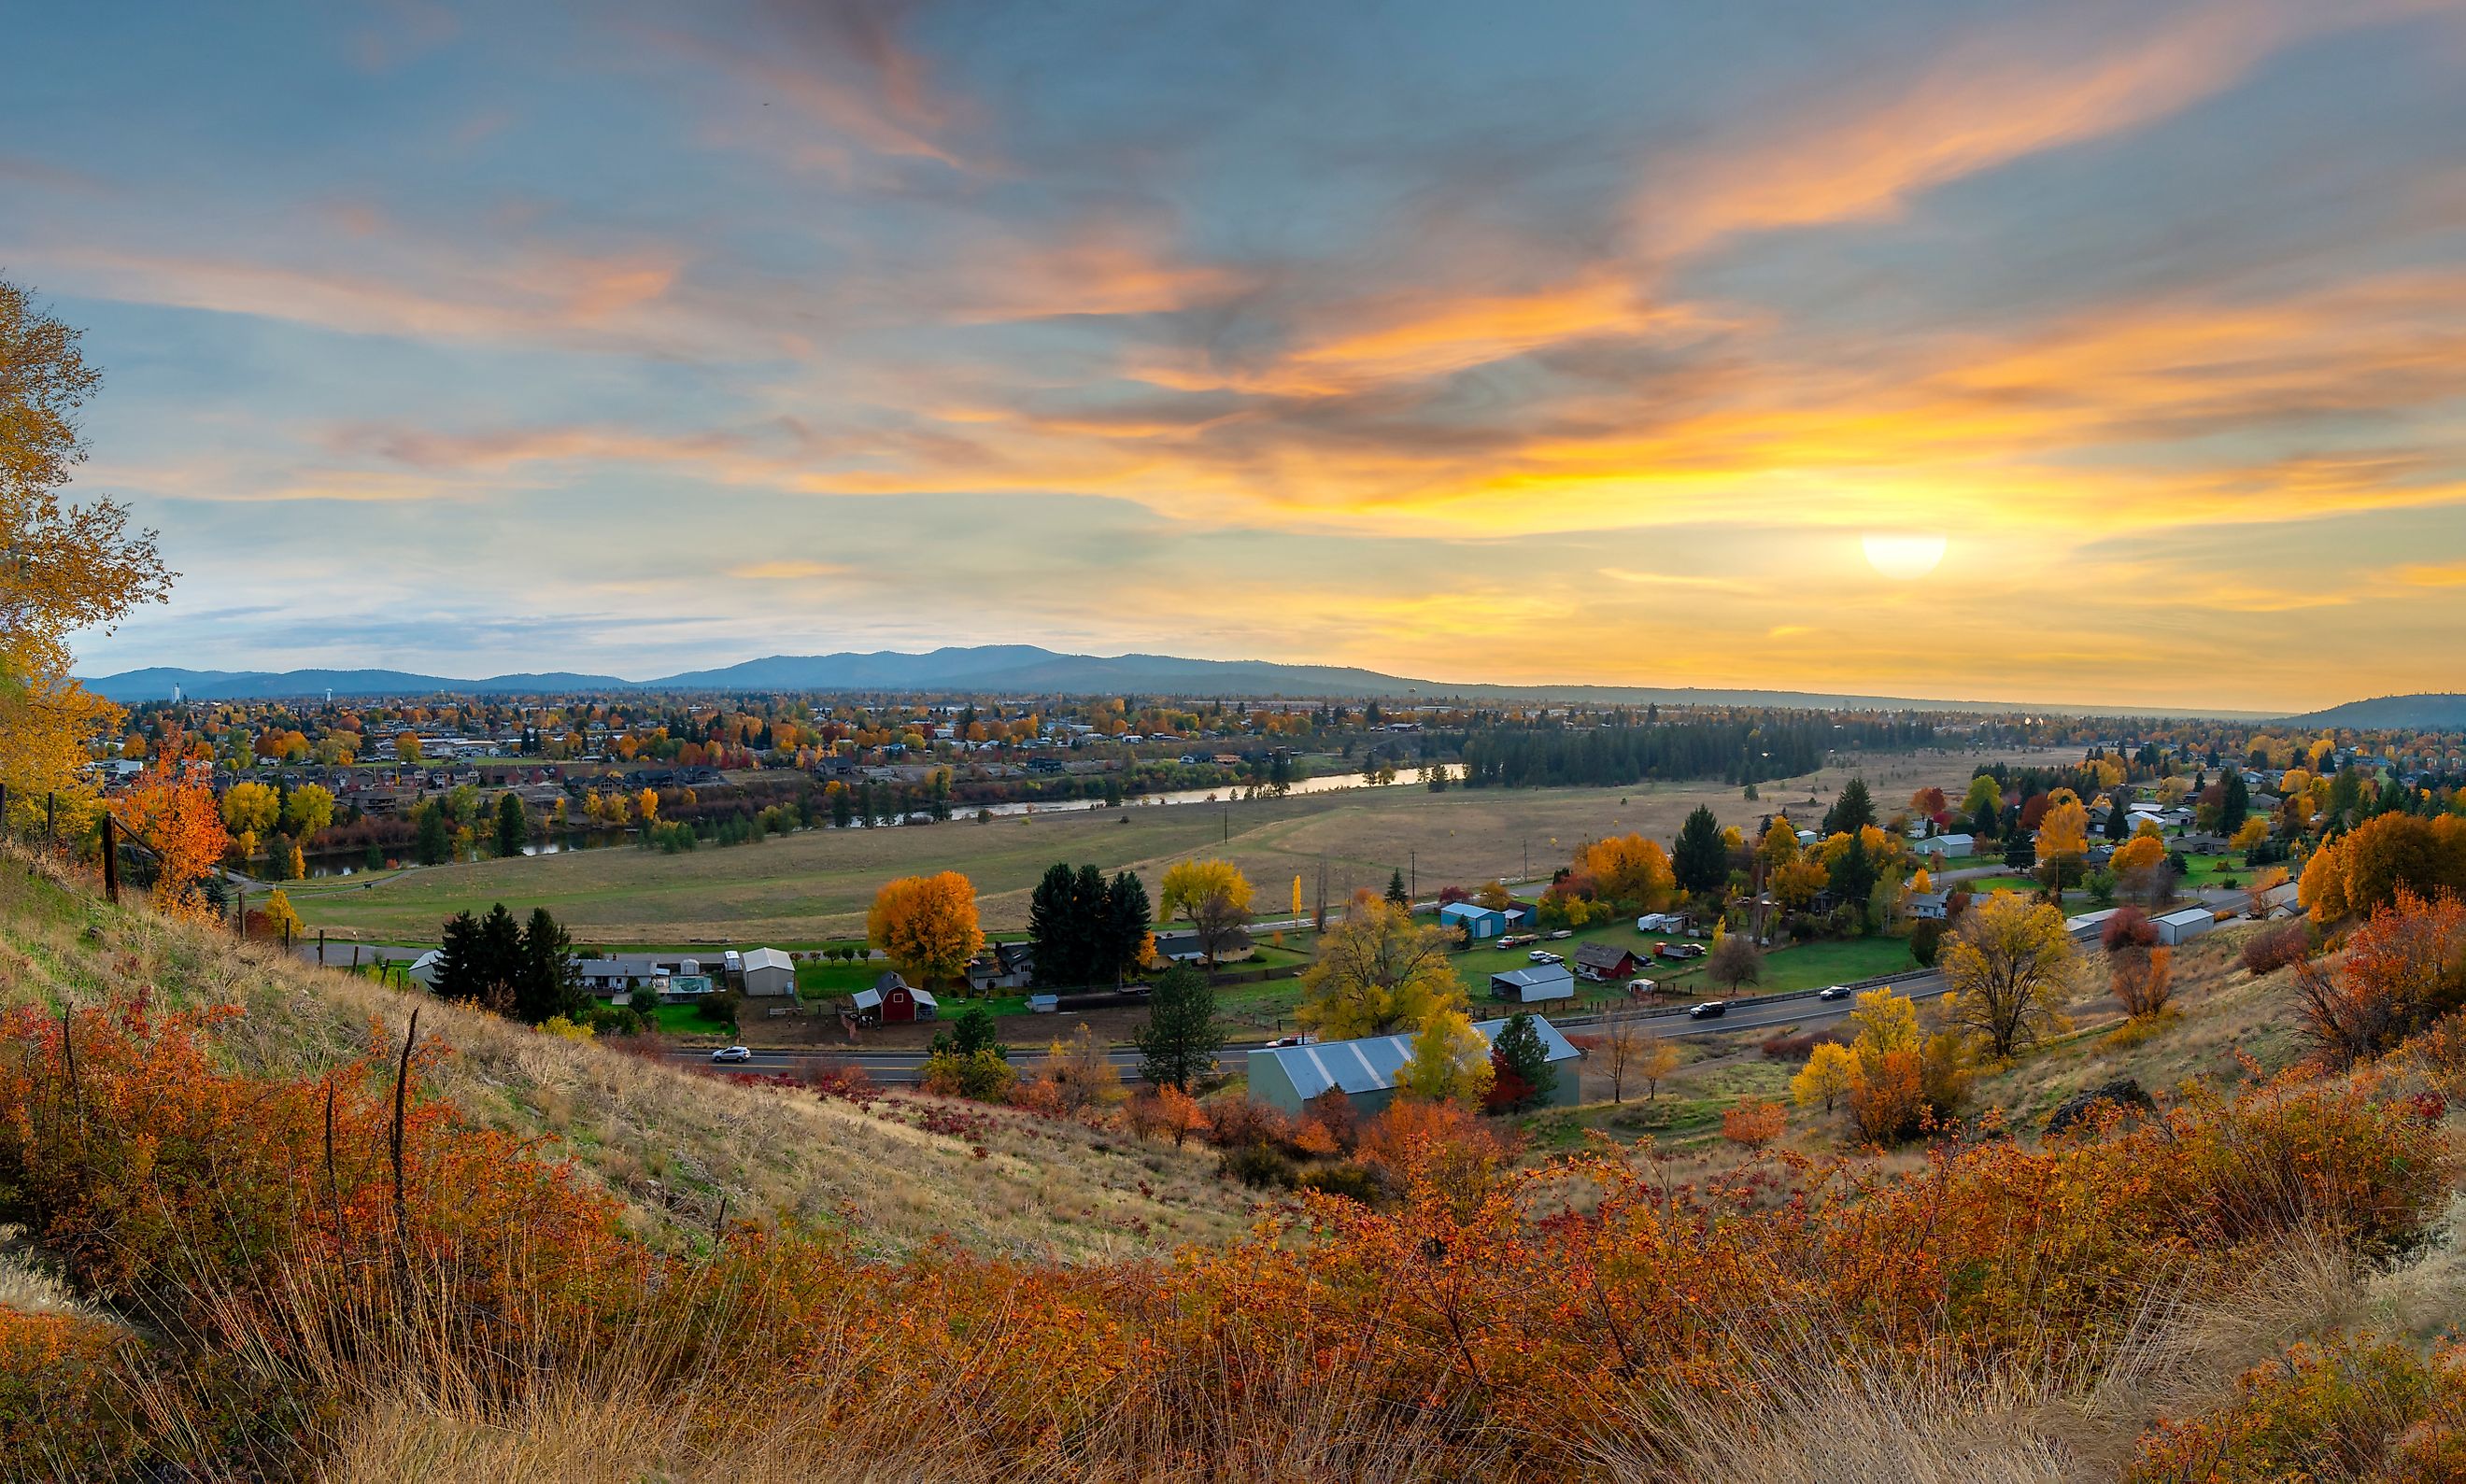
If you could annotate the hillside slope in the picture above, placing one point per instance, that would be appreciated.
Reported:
(678, 1147)
(2435, 711)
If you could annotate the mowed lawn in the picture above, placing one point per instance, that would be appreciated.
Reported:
(814, 885)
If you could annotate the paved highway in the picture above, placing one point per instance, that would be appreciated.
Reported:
(898, 1066)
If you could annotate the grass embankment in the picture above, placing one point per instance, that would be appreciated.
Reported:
(814, 885)
(674, 1146)
(2009, 1311)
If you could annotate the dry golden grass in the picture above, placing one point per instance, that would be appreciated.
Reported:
(678, 1146)
(2221, 1015)
(816, 884)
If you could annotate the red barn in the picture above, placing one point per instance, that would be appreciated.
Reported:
(893, 1000)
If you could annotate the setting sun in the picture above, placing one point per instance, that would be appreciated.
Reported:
(1903, 555)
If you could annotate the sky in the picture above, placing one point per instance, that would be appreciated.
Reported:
(2096, 352)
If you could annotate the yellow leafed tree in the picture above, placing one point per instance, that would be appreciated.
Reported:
(1450, 1061)
(927, 925)
(63, 567)
(1629, 871)
(1378, 972)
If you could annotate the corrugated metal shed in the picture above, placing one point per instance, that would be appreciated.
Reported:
(1370, 1064)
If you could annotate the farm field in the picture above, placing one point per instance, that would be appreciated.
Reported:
(814, 885)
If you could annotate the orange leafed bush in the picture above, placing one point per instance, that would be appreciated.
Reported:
(2355, 1408)
(1752, 1124)
(1503, 1314)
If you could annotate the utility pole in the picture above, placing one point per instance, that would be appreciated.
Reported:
(1412, 881)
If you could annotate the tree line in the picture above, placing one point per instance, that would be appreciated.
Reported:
(1752, 749)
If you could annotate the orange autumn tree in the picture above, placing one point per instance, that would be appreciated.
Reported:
(175, 816)
(1629, 871)
(927, 924)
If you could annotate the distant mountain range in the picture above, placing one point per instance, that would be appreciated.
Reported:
(2439, 712)
(1002, 669)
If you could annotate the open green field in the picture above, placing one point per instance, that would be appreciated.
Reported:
(814, 885)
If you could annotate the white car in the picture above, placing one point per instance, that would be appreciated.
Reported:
(1544, 955)
(732, 1054)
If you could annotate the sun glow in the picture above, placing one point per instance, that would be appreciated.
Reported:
(1903, 555)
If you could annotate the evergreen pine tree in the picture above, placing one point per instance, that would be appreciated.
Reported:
(1853, 811)
(550, 982)
(459, 973)
(1177, 1045)
(500, 959)
(1524, 1077)
(1701, 863)
(1127, 924)
(1049, 927)
(2236, 805)
(1853, 876)
(513, 829)
(1396, 892)
(435, 841)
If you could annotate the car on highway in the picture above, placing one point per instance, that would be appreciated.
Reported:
(1833, 992)
(1303, 1039)
(1710, 1009)
(732, 1054)
(1544, 955)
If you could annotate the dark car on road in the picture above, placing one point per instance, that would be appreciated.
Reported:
(1708, 1009)
(1833, 992)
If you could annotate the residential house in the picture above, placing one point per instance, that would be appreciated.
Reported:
(1287, 1077)
(1928, 905)
(1603, 963)
(1002, 966)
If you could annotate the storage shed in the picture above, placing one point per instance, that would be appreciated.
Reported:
(2182, 927)
(766, 971)
(1537, 985)
(1478, 922)
(1287, 1077)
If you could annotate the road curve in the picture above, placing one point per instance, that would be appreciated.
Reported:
(900, 1066)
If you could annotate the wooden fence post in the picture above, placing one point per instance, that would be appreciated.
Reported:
(110, 858)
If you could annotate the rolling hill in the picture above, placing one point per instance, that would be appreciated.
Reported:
(999, 669)
(2434, 711)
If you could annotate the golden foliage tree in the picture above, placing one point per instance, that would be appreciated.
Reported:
(63, 567)
(1629, 871)
(1450, 1061)
(1825, 1080)
(1213, 897)
(2140, 853)
(1378, 972)
(310, 809)
(251, 808)
(927, 925)
(2010, 967)
(2065, 828)
(282, 920)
